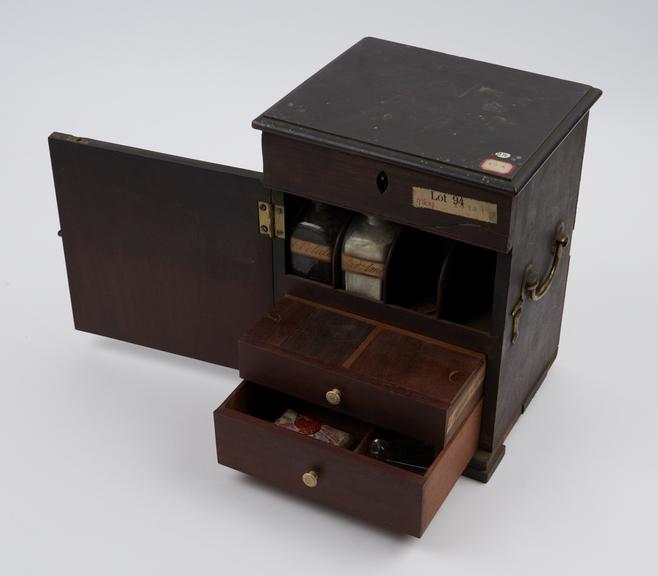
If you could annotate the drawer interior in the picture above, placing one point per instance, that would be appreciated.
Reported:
(267, 405)
(426, 273)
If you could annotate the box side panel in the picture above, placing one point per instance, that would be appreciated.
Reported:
(548, 199)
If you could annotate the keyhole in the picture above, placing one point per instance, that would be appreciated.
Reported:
(382, 182)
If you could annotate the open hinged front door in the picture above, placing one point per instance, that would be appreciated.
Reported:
(161, 251)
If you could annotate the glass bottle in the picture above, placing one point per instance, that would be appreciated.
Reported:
(368, 241)
(406, 453)
(313, 239)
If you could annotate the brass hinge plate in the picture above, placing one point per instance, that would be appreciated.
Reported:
(77, 139)
(265, 220)
(279, 221)
(271, 220)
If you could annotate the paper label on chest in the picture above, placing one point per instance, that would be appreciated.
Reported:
(454, 204)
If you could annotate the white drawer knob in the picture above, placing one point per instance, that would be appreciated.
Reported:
(333, 396)
(310, 478)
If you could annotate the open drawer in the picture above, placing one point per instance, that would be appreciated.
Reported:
(344, 478)
(412, 384)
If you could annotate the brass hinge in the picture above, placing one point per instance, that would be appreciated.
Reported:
(271, 220)
(279, 221)
(77, 139)
(265, 218)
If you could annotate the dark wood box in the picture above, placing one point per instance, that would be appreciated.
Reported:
(478, 163)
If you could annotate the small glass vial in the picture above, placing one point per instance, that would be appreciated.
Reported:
(313, 239)
(368, 241)
(406, 453)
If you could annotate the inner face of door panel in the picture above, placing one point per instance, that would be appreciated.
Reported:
(384, 261)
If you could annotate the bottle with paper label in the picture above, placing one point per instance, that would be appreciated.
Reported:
(368, 241)
(313, 240)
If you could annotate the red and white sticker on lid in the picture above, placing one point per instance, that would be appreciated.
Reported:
(496, 166)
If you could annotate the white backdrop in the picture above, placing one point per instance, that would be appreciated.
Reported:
(107, 450)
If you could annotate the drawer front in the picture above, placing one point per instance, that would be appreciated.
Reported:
(462, 212)
(346, 480)
(357, 398)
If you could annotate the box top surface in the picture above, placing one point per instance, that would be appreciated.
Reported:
(457, 117)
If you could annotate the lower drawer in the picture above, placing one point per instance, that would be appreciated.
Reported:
(346, 478)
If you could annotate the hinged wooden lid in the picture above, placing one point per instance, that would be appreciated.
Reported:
(460, 118)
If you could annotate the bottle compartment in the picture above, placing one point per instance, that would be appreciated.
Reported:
(423, 272)
(267, 405)
(466, 286)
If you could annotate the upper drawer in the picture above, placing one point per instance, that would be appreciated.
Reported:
(460, 211)
(409, 383)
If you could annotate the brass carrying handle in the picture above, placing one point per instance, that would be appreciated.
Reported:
(535, 288)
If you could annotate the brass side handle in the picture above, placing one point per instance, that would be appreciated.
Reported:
(334, 396)
(310, 478)
(535, 288)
